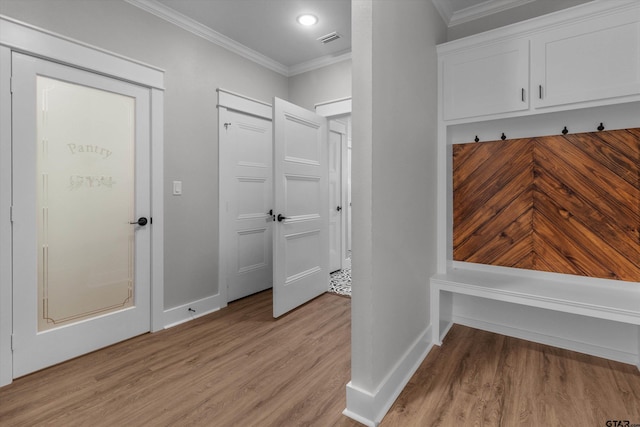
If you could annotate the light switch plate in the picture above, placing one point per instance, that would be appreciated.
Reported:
(177, 188)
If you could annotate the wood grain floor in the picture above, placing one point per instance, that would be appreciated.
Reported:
(239, 367)
(236, 367)
(479, 378)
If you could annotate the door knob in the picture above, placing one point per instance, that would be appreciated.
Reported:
(142, 221)
(339, 208)
(281, 218)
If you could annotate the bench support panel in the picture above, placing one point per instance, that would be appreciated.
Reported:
(443, 315)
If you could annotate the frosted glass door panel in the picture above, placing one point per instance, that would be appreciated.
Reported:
(85, 176)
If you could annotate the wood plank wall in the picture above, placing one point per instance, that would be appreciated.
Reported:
(566, 203)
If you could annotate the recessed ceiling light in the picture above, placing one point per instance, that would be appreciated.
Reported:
(307, 20)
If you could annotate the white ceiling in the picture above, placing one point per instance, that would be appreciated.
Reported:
(266, 31)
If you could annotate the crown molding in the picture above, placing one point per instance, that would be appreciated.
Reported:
(486, 8)
(561, 18)
(323, 61)
(158, 9)
(444, 9)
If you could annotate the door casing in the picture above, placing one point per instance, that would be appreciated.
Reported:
(18, 37)
(232, 101)
(228, 104)
(337, 110)
(337, 218)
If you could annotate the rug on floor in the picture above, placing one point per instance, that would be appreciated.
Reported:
(340, 282)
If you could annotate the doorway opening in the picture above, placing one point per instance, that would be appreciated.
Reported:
(339, 114)
(48, 164)
(249, 210)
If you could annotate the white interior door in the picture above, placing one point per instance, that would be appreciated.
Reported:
(81, 176)
(301, 194)
(246, 145)
(337, 140)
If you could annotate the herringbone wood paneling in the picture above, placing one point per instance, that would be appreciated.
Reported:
(567, 204)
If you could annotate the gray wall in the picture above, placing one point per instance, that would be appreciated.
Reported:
(394, 180)
(510, 16)
(324, 84)
(194, 69)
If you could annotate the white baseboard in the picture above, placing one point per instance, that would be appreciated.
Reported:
(547, 339)
(357, 417)
(369, 408)
(181, 314)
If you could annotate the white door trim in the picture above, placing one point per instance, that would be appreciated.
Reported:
(244, 104)
(228, 100)
(20, 37)
(26, 38)
(333, 110)
(6, 262)
(341, 128)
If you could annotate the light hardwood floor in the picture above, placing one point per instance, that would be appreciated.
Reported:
(478, 378)
(239, 367)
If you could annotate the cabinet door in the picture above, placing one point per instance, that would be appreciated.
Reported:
(486, 80)
(588, 61)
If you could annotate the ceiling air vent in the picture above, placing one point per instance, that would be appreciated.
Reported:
(329, 38)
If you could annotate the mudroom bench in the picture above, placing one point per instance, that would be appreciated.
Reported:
(616, 302)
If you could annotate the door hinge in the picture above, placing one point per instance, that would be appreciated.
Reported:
(11, 84)
(11, 213)
(13, 347)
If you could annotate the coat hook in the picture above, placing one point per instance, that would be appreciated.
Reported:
(477, 139)
(565, 131)
(600, 127)
(503, 137)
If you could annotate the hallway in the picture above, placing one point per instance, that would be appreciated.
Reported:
(240, 367)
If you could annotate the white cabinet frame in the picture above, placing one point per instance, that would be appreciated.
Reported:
(617, 110)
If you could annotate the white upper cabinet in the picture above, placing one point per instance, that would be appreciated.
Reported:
(585, 56)
(587, 61)
(487, 80)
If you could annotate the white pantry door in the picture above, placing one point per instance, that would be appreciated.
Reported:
(301, 193)
(245, 141)
(337, 142)
(81, 225)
